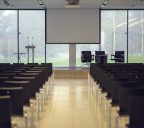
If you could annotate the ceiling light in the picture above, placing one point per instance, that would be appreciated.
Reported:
(43, 6)
(104, 3)
(6, 2)
(41, 3)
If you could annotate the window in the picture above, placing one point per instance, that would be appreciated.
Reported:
(113, 32)
(136, 36)
(32, 32)
(58, 54)
(8, 36)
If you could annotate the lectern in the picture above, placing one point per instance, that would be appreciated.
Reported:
(30, 47)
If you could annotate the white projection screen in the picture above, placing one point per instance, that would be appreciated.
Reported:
(73, 25)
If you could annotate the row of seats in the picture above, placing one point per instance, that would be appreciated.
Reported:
(118, 90)
(24, 90)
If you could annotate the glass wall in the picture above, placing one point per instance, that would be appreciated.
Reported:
(31, 26)
(113, 32)
(136, 36)
(32, 32)
(8, 36)
(58, 54)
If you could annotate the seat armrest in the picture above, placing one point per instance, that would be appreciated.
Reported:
(92, 56)
(112, 56)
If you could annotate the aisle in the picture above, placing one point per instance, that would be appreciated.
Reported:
(68, 106)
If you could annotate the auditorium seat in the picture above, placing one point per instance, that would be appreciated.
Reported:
(124, 95)
(5, 112)
(136, 112)
(35, 82)
(106, 84)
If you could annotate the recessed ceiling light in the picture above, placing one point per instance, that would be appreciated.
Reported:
(6, 2)
(105, 2)
(41, 3)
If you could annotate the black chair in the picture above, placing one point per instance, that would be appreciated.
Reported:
(136, 112)
(86, 57)
(100, 57)
(5, 112)
(118, 57)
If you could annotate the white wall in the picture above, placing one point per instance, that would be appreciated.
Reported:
(72, 25)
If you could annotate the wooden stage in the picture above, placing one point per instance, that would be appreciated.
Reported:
(70, 73)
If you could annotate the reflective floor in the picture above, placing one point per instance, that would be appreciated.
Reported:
(69, 106)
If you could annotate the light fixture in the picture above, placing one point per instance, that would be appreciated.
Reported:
(41, 3)
(43, 6)
(104, 3)
(6, 2)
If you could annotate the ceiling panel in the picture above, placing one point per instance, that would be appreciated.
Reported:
(83, 3)
(113, 4)
(125, 4)
(19, 4)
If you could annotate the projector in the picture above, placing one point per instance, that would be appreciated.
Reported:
(72, 4)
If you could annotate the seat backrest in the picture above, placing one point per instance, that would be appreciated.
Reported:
(120, 55)
(115, 88)
(124, 95)
(86, 56)
(136, 111)
(100, 57)
(16, 94)
(99, 52)
(5, 112)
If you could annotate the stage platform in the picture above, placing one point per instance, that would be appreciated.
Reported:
(70, 72)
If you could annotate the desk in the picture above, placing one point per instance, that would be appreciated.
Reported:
(19, 55)
(101, 59)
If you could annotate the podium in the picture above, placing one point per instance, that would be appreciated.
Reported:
(30, 47)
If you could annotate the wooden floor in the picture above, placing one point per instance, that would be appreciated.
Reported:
(69, 106)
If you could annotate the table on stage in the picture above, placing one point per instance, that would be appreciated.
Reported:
(20, 54)
(101, 59)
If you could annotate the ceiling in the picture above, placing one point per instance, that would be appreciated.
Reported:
(112, 4)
